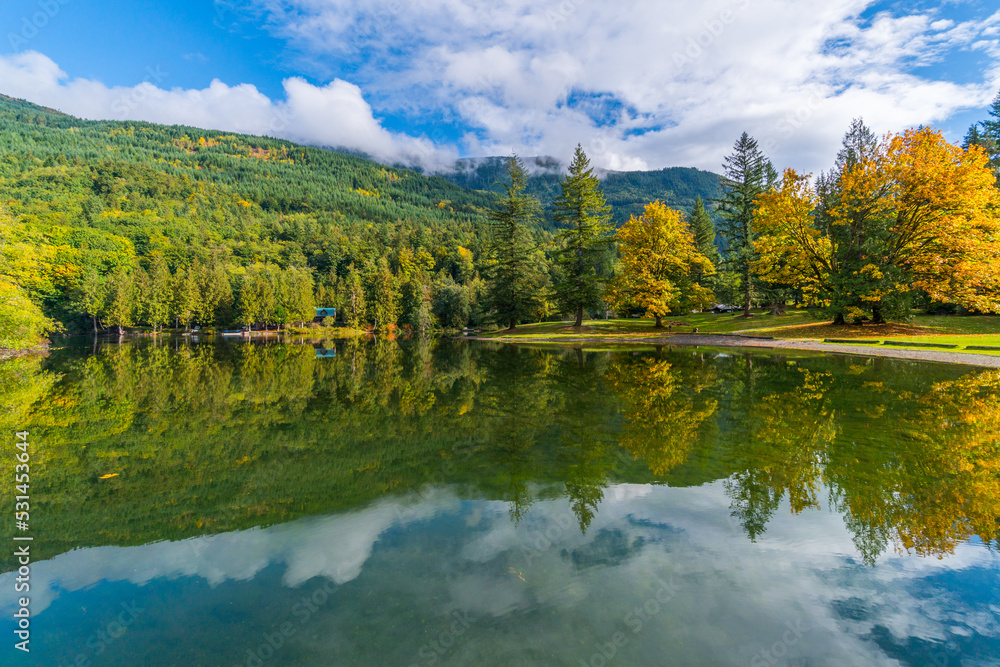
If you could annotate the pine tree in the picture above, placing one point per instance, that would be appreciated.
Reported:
(585, 216)
(120, 300)
(845, 217)
(215, 292)
(184, 296)
(355, 305)
(990, 137)
(300, 300)
(89, 294)
(704, 231)
(747, 173)
(416, 301)
(511, 281)
(383, 297)
(156, 293)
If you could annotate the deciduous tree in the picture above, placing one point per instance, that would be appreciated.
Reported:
(913, 213)
(659, 263)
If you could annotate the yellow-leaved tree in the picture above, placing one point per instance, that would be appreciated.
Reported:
(659, 265)
(912, 212)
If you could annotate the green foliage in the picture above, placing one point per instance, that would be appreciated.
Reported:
(87, 198)
(383, 297)
(627, 192)
(584, 240)
(260, 434)
(22, 324)
(513, 280)
(746, 174)
(989, 138)
(452, 304)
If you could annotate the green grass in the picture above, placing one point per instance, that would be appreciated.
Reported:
(705, 323)
(794, 325)
(963, 342)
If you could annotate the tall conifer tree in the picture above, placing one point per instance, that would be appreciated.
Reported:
(746, 174)
(585, 216)
(512, 283)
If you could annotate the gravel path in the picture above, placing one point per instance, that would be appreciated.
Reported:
(723, 340)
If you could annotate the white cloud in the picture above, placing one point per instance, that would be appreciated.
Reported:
(334, 115)
(640, 83)
(688, 79)
(731, 597)
(334, 547)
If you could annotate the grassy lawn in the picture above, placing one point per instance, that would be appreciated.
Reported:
(795, 324)
(704, 322)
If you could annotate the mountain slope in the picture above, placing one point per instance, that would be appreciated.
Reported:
(628, 192)
(80, 197)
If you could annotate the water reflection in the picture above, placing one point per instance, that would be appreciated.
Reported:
(211, 438)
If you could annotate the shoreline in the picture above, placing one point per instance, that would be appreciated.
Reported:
(734, 340)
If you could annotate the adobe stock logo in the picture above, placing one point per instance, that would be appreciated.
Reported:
(696, 46)
(31, 25)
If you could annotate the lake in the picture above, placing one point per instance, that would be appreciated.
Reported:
(465, 503)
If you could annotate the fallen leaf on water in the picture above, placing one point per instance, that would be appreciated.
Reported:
(114, 474)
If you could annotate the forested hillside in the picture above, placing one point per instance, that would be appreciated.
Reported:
(628, 192)
(219, 228)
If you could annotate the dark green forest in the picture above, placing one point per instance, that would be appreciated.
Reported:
(628, 192)
(106, 225)
(94, 213)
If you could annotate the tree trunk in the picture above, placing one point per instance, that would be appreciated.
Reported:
(877, 316)
(839, 320)
(579, 317)
(94, 317)
(513, 325)
(121, 332)
(659, 321)
(777, 308)
(748, 293)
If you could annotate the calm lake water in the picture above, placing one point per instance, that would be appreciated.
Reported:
(461, 503)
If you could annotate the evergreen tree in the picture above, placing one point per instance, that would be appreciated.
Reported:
(215, 292)
(511, 282)
(703, 229)
(383, 297)
(846, 221)
(746, 173)
(156, 293)
(417, 304)
(354, 299)
(583, 212)
(184, 297)
(120, 300)
(989, 139)
(89, 294)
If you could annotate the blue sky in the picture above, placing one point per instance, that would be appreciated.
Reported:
(642, 84)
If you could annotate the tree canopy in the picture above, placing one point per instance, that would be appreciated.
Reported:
(910, 213)
(660, 265)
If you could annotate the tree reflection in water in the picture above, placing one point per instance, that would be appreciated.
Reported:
(210, 438)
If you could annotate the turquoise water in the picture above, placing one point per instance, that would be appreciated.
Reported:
(455, 503)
